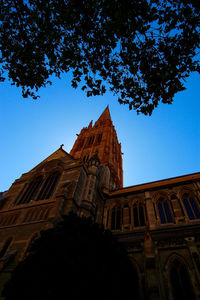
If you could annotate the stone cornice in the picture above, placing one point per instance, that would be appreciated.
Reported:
(154, 185)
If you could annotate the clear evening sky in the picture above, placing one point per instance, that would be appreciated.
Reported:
(165, 145)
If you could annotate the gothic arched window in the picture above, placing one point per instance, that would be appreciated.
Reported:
(191, 206)
(30, 192)
(91, 140)
(180, 282)
(164, 211)
(116, 218)
(138, 215)
(49, 186)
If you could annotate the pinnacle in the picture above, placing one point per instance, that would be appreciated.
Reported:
(90, 125)
(105, 115)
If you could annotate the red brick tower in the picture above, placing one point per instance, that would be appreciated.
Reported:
(102, 139)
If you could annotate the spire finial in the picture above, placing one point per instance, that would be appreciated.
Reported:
(105, 115)
(61, 146)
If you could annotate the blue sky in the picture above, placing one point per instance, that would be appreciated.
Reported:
(165, 145)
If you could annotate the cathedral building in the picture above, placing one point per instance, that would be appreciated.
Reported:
(158, 222)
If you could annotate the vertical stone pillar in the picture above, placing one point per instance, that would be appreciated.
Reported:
(177, 210)
(152, 281)
(150, 211)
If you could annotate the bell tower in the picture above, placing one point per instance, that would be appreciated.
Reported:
(102, 139)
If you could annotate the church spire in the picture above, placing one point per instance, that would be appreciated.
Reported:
(101, 138)
(104, 116)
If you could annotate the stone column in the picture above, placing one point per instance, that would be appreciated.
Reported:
(150, 211)
(152, 281)
(177, 210)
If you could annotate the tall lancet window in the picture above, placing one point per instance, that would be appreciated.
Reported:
(91, 140)
(116, 218)
(30, 192)
(164, 211)
(49, 186)
(138, 214)
(191, 206)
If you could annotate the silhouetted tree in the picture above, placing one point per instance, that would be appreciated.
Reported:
(77, 259)
(140, 50)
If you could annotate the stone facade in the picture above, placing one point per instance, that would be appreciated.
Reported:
(158, 222)
(102, 139)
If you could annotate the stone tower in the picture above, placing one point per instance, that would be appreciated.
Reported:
(102, 139)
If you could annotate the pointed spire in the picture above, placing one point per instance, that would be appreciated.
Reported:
(90, 125)
(102, 137)
(105, 115)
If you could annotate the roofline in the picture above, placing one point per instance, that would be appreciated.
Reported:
(154, 184)
(65, 152)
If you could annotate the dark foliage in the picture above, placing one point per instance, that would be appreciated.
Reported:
(76, 259)
(141, 50)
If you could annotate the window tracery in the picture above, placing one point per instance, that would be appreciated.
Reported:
(91, 140)
(49, 186)
(164, 210)
(116, 218)
(191, 206)
(138, 214)
(29, 193)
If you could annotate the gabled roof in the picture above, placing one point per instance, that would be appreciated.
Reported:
(55, 155)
